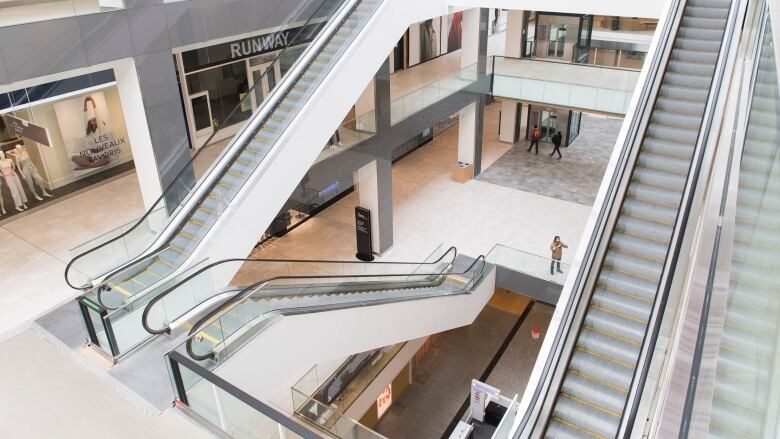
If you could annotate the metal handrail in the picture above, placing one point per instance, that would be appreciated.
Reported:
(631, 141)
(225, 306)
(229, 154)
(167, 330)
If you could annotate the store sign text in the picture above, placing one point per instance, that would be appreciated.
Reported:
(257, 45)
(384, 401)
(104, 147)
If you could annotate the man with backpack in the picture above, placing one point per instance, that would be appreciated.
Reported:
(535, 135)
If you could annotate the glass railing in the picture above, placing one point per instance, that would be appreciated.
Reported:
(509, 82)
(504, 429)
(329, 419)
(534, 265)
(619, 58)
(349, 134)
(338, 386)
(603, 23)
(124, 244)
(423, 97)
(13, 12)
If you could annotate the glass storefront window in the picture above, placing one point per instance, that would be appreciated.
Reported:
(225, 86)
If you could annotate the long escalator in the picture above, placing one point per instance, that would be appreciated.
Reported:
(748, 342)
(594, 390)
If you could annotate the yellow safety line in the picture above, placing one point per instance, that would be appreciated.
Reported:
(647, 238)
(244, 162)
(226, 185)
(740, 352)
(729, 429)
(734, 375)
(207, 210)
(460, 279)
(609, 334)
(187, 235)
(636, 255)
(578, 428)
(745, 328)
(138, 282)
(619, 314)
(177, 249)
(624, 293)
(638, 276)
(605, 358)
(235, 173)
(163, 261)
(596, 380)
(153, 272)
(214, 340)
(738, 404)
(590, 404)
(122, 290)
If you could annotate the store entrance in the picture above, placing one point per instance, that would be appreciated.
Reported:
(548, 125)
(267, 81)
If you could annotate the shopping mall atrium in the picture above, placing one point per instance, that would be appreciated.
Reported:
(367, 219)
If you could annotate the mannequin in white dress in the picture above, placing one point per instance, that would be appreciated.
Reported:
(29, 172)
(12, 180)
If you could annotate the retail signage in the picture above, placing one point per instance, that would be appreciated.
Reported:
(86, 131)
(28, 130)
(384, 401)
(248, 47)
(480, 394)
(363, 232)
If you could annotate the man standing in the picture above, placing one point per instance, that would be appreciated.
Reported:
(535, 135)
(556, 139)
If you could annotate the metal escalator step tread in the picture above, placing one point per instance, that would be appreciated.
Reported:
(691, 95)
(561, 429)
(685, 80)
(586, 415)
(704, 34)
(737, 418)
(733, 363)
(665, 163)
(692, 68)
(639, 247)
(668, 148)
(634, 306)
(649, 230)
(613, 323)
(752, 395)
(605, 369)
(706, 11)
(697, 45)
(660, 179)
(606, 397)
(649, 212)
(621, 282)
(634, 266)
(704, 23)
(654, 194)
(609, 345)
(673, 133)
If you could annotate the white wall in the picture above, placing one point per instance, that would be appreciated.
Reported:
(268, 366)
(623, 8)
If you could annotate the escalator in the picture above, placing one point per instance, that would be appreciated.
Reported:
(193, 218)
(748, 343)
(593, 391)
(236, 321)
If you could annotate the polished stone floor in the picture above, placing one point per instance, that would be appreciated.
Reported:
(575, 178)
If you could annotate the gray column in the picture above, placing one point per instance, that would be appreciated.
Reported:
(471, 118)
(374, 182)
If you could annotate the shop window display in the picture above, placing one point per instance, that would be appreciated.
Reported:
(86, 141)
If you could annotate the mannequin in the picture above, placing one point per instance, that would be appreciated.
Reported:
(12, 180)
(29, 172)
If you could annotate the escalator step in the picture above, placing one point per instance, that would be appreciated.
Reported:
(649, 212)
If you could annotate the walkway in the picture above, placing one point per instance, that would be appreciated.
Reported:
(575, 178)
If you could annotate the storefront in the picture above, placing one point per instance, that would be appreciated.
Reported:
(219, 76)
(551, 120)
(58, 137)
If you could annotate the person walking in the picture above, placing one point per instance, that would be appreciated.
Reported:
(535, 135)
(556, 139)
(556, 248)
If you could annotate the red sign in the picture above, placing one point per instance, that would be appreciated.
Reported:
(384, 401)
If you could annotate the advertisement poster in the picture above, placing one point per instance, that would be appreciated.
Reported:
(429, 39)
(454, 31)
(86, 131)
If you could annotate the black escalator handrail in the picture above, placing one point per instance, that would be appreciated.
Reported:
(639, 379)
(158, 203)
(159, 297)
(645, 100)
(440, 277)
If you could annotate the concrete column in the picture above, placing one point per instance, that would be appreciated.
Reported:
(509, 121)
(471, 117)
(382, 96)
(513, 47)
(375, 193)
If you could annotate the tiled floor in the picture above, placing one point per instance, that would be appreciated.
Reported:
(574, 178)
(442, 379)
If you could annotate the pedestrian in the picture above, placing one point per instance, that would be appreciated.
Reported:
(535, 135)
(556, 139)
(556, 248)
